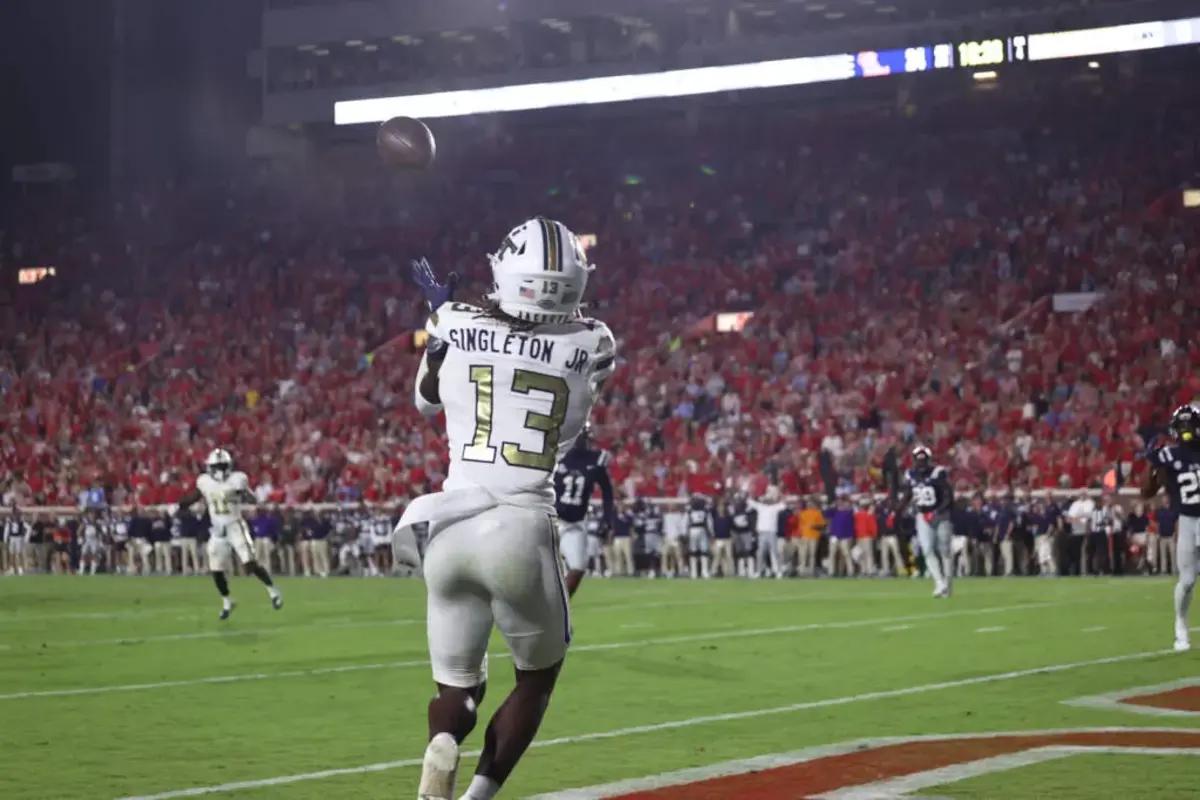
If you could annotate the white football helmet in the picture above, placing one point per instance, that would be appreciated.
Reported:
(219, 463)
(539, 272)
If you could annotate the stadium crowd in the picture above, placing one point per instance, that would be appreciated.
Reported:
(900, 267)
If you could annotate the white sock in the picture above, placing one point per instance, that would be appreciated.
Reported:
(227, 602)
(272, 591)
(481, 788)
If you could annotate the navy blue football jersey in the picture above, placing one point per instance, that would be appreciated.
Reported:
(1179, 468)
(576, 476)
(649, 520)
(743, 519)
(697, 518)
(930, 490)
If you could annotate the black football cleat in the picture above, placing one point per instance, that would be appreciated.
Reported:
(225, 612)
(277, 602)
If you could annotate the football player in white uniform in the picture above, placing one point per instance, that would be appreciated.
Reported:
(517, 379)
(224, 490)
(91, 547)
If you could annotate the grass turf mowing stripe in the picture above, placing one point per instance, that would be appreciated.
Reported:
(227, 632)
(586, 648)
(635, 730)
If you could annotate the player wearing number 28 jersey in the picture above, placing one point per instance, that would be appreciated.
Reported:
(927, 487)
(516, 379)
(1177, 467)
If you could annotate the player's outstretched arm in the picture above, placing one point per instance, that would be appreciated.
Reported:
(948, 495)
(188, 500)
(606, 494)
(429, 394)
(1151, 483)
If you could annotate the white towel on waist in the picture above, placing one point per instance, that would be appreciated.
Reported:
(443, 508)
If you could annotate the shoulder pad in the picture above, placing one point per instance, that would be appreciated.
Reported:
(607, 344)
(448, 314)
(938, 472)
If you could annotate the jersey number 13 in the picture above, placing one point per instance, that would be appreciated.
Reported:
(550, 425)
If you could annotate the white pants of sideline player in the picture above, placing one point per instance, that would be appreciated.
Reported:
(768, 554)
(935, 537)
(226, 540)
(500, 566)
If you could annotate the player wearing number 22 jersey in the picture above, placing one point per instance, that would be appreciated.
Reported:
(1177, 468)
(516, 378)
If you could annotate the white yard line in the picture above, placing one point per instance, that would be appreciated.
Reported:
(742, 766)
(690, 722)
(992, 629)
(1111, 701)
(906, 785)
(585, 648)
(1094, 629)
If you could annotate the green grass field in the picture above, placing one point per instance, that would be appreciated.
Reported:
(117, 687)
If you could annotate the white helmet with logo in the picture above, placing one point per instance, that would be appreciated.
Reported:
(539, 272)
(219, 463)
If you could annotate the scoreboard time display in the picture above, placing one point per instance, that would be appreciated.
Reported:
(983, 53)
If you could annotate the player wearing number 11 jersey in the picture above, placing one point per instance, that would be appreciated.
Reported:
(1177, 467)
(517, 378)
(224, 491)
(581, 470)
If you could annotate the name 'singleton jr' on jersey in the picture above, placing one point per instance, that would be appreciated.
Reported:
(523, 345)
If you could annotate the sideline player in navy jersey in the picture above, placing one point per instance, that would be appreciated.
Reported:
(699, 531)
(927, 487)
(1177, 467)
(577, 475)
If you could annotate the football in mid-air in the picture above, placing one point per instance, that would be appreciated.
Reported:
(405, 143)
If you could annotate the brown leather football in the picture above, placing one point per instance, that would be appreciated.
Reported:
(405, 143)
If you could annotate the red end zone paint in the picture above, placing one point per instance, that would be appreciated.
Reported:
(896, 760)
(1186, 698)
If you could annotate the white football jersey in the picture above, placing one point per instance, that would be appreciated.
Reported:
(223, 498)
(516, 399)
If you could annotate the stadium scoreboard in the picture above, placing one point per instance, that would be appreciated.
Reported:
(984, 53)
(992, 52)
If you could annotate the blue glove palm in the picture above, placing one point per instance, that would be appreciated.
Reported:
(435, 293)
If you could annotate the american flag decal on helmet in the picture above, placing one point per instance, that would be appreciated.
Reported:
(527, 293)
